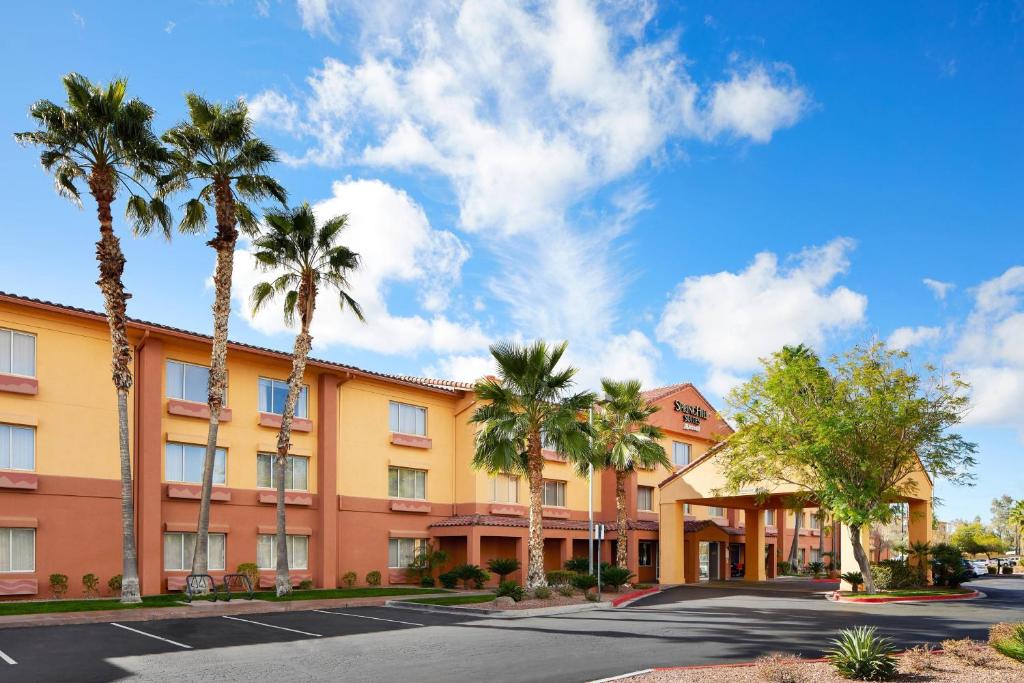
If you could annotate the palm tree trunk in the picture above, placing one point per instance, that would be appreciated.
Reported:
(797, 518)
(622, 542)
(535, 576)
(821, 536)
(115, 300)
(862, 558)
(303, 341)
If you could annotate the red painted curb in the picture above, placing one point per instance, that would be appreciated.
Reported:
(824, 580)
(906, 598)
(635, 594)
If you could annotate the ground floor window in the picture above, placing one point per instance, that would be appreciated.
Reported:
(815, 555)
(266, 551)
(17, 550)
(402, 551)
(179, 547)
(646, 553)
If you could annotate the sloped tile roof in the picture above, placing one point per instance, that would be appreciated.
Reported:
(522, 522)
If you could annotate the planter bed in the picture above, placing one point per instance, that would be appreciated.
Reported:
(905, 596)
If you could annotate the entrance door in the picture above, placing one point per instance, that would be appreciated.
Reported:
(713, 561)
(704, 560)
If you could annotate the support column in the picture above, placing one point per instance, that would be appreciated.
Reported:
(753, 559)
(523, 554)
(566, 553)
(919, 527)
(848, 561)
(670, 543)
(326, 568)
(473, 546)
(149, 462)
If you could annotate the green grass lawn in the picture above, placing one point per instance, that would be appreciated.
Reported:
(910, 593)
(51, 606)
(455, 600)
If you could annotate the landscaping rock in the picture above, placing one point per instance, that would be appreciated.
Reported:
(504, 602)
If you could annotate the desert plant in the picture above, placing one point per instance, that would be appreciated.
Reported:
(642, 586)
(918, 660)
(425, 561)
(349, 579)
(784, 568)
(860, 654)
(542, 592)
(855, 579)
(373, 578)
(1008, 639)
(471, 573)
(592, 597)
(566, 590)
(560, 577)
(780, 667)
(991, 570)
(503, 566)
(91, 585)
(251, 571)
(306, 584)
(616, 576)
(580, 565)
(966, 650)
(1003, 631)
(114, 584)
(449, 580)
(427, 581)
(510, 589)
(894, 574)
(816, 568)
(1007, 569)
(58, 585)
(584, 582)
(481, 579)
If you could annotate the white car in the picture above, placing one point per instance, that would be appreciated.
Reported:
(980, 566)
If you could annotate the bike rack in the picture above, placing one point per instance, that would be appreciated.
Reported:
(241, 582)
(200, 584)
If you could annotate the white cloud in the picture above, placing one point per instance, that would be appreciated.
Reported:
(263, 8)
(398, 247)
(275, 110)
(626, 356)
(169, 27)
(728, 320)
(78, 19)
(906, 337)
(462, 368)
(756, 104)
(938, 288)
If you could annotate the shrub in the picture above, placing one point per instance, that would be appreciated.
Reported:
(991, 570)
(349, 579)
(1007, 569)
(480, 579)
(862, 655)
(779, 667)
(592, 597)
(580, 565)
(542, 592)
(306, 584)
(91, 585)
(1008, 639)
(967, 651)
(427, 581)
(373, 578)
(948, 568)
(566, 590)
(918, 660)
(468, 573)
(584, 581)
(250, 570)
(114, 584)
(615, 576)
(503, 566)
(785, 568)
(855, 579)
(510, 589)
(449, 580)
(58, 585)
(1003, 631)
(559, 577)
(816, 568)
(894, 574)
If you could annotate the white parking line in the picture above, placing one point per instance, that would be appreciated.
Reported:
(150, 635)
(363, 616)
(280, 628)
(3, 656)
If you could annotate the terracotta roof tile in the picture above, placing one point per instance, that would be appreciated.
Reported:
(522, 522)
(661, 392)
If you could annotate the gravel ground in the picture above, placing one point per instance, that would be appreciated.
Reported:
(555, 600)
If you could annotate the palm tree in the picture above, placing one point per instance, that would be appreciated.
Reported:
(624, 441)
(107, 141)
(1015, 518)
(528, 398)
(920, 550)
(304, 258)
(216, 148)
(798, 516)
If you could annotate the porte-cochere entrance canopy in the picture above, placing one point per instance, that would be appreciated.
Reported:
(702, 484)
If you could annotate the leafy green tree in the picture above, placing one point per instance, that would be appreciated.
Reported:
(1001, 526)
(624, 440)
(304, 257)
(1015, 518)
(529, 397)
(217, 150)
(973, 538)
(106, 140)
(850, 436)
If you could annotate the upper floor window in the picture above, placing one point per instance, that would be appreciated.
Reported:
(554, 493)
(17, 353)
(687, 508)
(266, 551)
(17, 447)
(407, 419)
(273, 393)
(189, 382)
(17, 550)
(504, 488)
(680, 453)
(645, 498)
(184, 463)
(402, 551)
(296, 472)
(179, 547)
(404, 482)
(716, 511)
(769, 517)
(813, 521)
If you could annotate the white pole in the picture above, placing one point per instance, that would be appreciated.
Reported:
(590, 500)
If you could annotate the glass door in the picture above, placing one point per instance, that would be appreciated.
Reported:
(713, 561)
(704, 560)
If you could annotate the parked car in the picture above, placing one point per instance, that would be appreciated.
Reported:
(980, 566)
(969, 571)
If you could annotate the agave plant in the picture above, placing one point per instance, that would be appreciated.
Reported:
(862, 655)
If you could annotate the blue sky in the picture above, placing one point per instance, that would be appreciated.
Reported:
(676, 189)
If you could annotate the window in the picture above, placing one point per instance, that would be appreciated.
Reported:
(407, 483)
(546, 442)
(296, 472)
(189, 382)
(769, 517)
(814, 522)
(716, 512)
(504, 488)
(179, 547)
(17, 353)
(266, 551)
(273, 394)
(815, 555)
(407, 419)
(17, 550)
(645, 498)
(687, 509)
(680, 453)
(554, 493)
(17, 447)
(645, 550)
(184, 463)
(401, 551)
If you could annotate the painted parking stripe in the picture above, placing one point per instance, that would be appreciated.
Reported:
(6, 658)
(280, 628)
(364, 616)
(150, 635)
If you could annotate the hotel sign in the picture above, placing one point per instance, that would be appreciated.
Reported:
(692, 415)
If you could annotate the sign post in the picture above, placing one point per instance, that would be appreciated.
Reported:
(599, 537)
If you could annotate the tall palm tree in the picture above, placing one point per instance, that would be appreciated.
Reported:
(304, 258)
(624, 441)
(107, 141)
(217, 149)
(1015, 518)
(528, 398)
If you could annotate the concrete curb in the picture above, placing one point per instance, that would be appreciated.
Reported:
(496, 613)
(835, 597)
(629, 598)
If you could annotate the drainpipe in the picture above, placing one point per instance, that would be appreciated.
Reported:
(135, 438)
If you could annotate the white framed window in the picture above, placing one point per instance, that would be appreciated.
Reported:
(401, 551)
(17, 447)
(554, 493)
(645, 498)
(504, 488)
(407, 419)
(273, 393)
(716, 512)
(769, 517)
(183, 462)
(645, 553)
(680, 454)
(813, 521)
(266, 551)
(296, 472)
(687, 509)
(180, 546)
(405, 482)
(17, 353)
(190, 382)
(17, 550)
